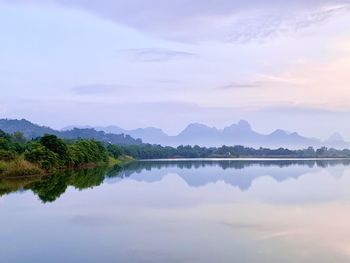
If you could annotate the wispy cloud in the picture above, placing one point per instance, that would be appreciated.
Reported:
(233, 20)
(157, 54)
(93, 89)
(281, 79)
(320, 15)
(248, 85)
(266, 24)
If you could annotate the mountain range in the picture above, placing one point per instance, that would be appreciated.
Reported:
(240, 133)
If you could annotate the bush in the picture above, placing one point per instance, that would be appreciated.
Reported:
(56, 145)
(3, 167)
(4, 144)
(114, 150)
(38, 154)
(85, 152)
(7, 155)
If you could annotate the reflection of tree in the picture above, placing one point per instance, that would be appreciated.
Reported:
(15, 184)
(53, 186)
(114, 171)
(88, 178)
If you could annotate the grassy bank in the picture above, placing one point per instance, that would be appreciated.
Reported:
(121, 160)
(19, 167)
(22, 168)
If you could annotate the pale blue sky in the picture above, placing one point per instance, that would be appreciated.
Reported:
(278, 64)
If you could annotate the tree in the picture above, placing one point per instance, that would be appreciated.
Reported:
(45, 158)
(18, 137)
(56, 145)
(114, 150)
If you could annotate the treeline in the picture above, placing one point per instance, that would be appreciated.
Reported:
(19, 156)
(148, 151)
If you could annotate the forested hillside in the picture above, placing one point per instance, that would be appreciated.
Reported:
(31, 131)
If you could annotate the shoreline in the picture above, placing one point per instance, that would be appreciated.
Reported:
(38, 172)
(248, 159)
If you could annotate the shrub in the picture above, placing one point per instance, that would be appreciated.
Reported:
(7, 155)
(56, 145)
(3, 167)
(38, 154)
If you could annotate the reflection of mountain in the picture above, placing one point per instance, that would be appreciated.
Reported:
(237, 173)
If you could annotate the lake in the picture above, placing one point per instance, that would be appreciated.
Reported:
(181, 211)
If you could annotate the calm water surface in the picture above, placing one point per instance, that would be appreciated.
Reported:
(181, 211)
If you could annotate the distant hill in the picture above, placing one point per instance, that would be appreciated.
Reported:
(240, 133)
(148, 135)
(31, 130)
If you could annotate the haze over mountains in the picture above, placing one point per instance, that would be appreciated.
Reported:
(194, 134)
(237, 134)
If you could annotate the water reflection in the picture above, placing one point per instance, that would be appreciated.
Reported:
(181, 211)
(238, 173)
(50, 187)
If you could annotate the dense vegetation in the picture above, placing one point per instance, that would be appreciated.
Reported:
(18, 156)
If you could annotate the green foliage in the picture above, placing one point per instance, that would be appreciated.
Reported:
(56, 145)
(18, 137)
(38, 154)
(115, 151)
(148, 151)
(7, 155)
(86, 152)
(4, 144)
(3, 167)
(14, 142)
(4, 135)
(50, 152)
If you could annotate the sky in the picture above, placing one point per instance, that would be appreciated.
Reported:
(275, 63)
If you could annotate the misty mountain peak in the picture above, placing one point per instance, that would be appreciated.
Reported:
(279, 132)
(335, 137)
(244, 125)
(241, 126)
(197, 127)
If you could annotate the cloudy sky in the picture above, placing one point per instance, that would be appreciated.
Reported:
(136, 63)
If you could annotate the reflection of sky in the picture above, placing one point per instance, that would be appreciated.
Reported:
(299, 219)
